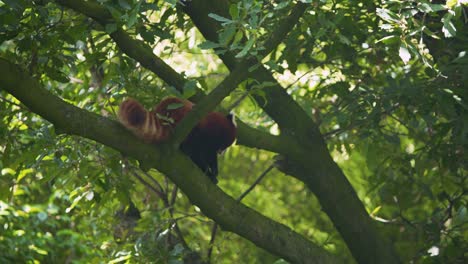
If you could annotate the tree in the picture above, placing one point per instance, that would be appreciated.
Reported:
(377, 89)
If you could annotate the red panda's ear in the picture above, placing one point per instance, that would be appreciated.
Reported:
(232, 119)
(132, 114)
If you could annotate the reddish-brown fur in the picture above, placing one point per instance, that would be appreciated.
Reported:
(156, 125)
(213, 134)
(219, 128)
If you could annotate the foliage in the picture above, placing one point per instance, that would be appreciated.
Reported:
(386, 82)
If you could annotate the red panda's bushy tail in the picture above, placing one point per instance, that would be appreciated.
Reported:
(156, 125)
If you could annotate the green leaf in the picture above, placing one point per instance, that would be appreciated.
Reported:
(451, 3)
(428, 8)
(430, 33)
(116, 14)
(177, 251)
(253, 22)
(15, 4)
(162, 34)
(209, 45)
(376, 210)
(234, 11)
(125, 5)
(238, 37)
(42, 216)
(404, 53)
(173, 3)
(146, 35)
(110, 28)
(387, 15)
(133, 17)
(343, 39)
(174, 106)
(246, 48)
(388, 39)
(228, 33)
(6, 171)
(393, 139)
(23, 173)
(220, 18)
(57, 75)
(282, 5)
(448, 28)
(190, 89)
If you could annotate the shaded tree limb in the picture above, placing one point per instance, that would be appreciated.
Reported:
(283, 28)
(209, 102)
(226, 211)
(238, 74)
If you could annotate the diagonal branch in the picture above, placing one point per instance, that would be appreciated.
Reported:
(136, 49)
(240, 73)
(284, 27)
(227, 212)
(209, 102)
(276, 98)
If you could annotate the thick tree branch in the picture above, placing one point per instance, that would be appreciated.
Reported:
(237, 75)
(228, 213)
(255, 138)
(284, 27)
(136, 49)
(209, 102)
(276, 100)
(312, 161)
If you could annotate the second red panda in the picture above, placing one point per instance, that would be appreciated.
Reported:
(213, 134)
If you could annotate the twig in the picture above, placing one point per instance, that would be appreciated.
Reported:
(238, 101)
(256, 182)
(152, 179)
(169, 204)
(173, 195)
(160, 192)
(214, 229)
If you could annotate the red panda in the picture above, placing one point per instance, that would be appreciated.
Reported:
(213, 134)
